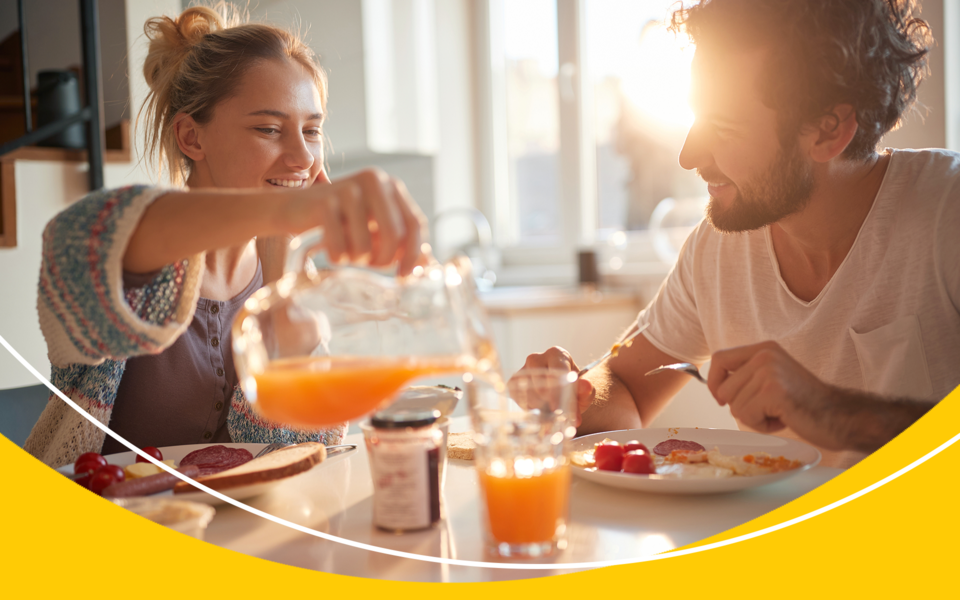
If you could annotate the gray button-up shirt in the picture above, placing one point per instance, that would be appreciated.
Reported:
(182, 395)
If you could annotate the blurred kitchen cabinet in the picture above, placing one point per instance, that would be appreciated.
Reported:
(586, 323)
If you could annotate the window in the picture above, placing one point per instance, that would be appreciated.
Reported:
(532, 124)
(639, 75)
(587, 112)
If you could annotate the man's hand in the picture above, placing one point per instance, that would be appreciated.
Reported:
(559, 359)
(615, 394)
(768, 390)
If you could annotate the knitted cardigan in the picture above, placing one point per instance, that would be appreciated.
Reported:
(92, 325)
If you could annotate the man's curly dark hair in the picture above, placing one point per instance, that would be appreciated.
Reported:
(870, 54)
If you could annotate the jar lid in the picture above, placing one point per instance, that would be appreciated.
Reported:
(404, 418)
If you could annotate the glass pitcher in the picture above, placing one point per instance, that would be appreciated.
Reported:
(321, 347)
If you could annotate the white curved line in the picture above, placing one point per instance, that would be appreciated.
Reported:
(472, 563)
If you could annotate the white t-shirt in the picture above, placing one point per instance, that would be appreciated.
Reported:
(887, 322)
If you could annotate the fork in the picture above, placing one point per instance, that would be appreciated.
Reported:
(277, 445)
(688, 368)
(626, 342)
(270, 448)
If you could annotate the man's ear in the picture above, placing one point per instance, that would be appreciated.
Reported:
(187, 132)
(830, 134)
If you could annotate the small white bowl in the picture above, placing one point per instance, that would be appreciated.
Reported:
(184, 516)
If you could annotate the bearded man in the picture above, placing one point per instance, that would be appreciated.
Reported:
(823, 284)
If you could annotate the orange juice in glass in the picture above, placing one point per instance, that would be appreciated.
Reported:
(521, 461)
(526, 511)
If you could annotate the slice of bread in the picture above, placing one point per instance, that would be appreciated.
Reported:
(279, 464)
(461, 445)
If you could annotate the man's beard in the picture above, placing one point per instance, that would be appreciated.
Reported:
(783, 190)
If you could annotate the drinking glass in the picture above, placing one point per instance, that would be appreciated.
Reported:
(521, 433)
(321, 347)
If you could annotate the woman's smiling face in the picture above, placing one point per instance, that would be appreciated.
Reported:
(268, 134)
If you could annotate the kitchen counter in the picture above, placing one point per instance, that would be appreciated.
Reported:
(514, 300)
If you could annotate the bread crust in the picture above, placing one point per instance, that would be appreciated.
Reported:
(280, 464)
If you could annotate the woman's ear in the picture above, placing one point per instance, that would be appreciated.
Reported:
(832, 133)
(187, 132)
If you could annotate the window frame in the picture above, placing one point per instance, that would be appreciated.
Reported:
(556, 264)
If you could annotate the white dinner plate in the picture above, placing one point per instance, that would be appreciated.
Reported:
(122, 459)
(730, 442)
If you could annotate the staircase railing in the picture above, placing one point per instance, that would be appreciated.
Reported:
(91, 114)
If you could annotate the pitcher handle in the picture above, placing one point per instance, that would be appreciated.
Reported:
(301, 248)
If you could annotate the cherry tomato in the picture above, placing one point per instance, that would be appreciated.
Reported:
(154, 452)
(117, 472)
(84, 481)
(634, 445)
(105, 477)
(638, 461)
(90, 461)
(608, 456)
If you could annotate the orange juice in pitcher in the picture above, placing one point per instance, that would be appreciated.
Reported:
(324, 391)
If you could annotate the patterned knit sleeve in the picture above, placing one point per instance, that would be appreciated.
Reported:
(86, 316)
(61, 434)
(247, 427)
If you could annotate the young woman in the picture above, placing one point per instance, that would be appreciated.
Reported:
(139, 286)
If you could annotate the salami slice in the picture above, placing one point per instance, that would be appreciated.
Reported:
(214, 459)
(668, 446)
(151, 484)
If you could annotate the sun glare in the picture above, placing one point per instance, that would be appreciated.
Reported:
(631, 45)
(659, 85)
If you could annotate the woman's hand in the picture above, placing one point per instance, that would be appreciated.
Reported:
(368, 217)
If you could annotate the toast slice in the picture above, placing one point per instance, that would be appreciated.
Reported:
(461, 446)
(279, 464)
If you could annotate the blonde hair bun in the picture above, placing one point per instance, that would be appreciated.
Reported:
(172, 39)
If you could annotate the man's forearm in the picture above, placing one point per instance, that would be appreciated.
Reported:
(613, 407)
(864, 422)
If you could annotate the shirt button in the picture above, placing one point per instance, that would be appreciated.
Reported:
(207, 435)
(214, 309)
(219, 405)
(215, 342)
(219, 372)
